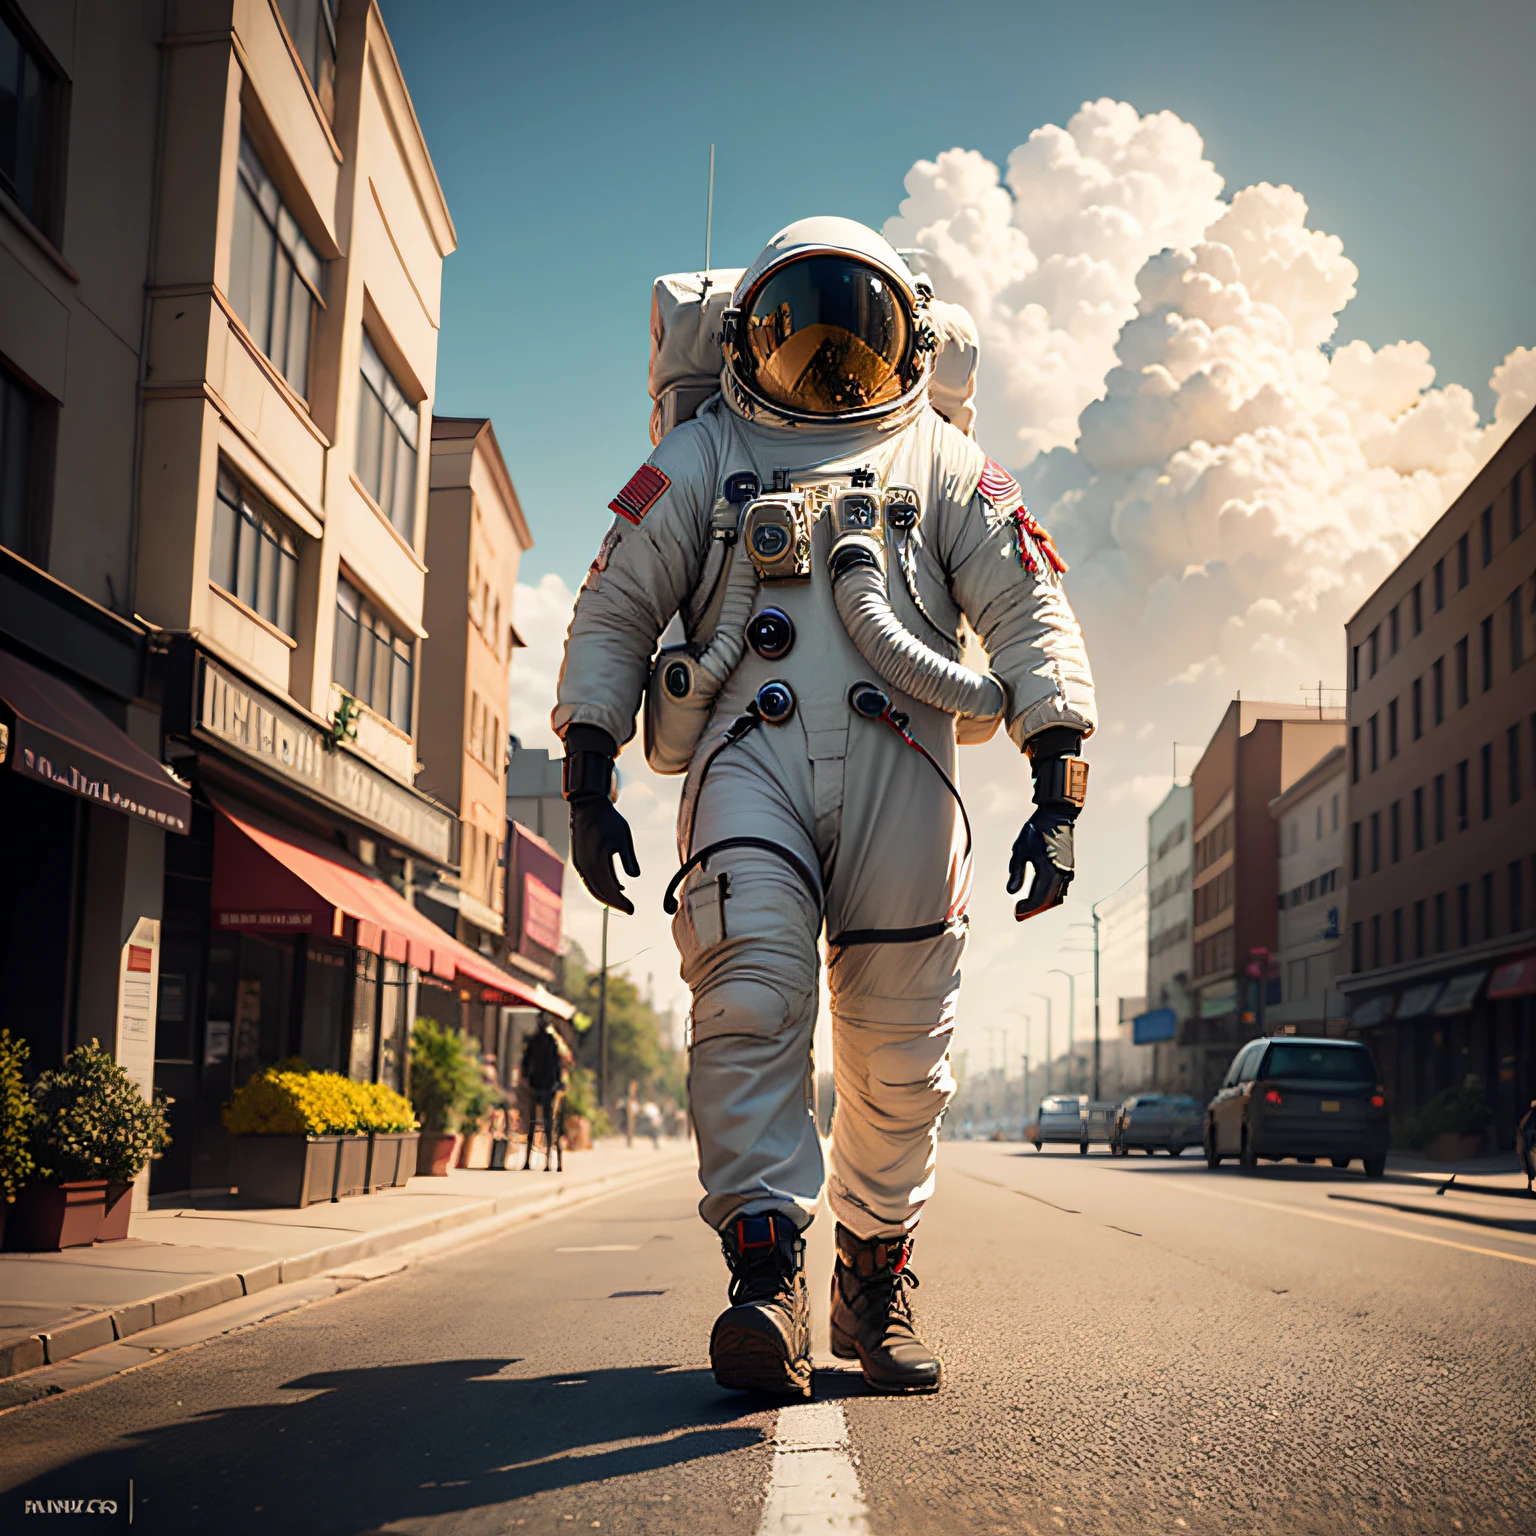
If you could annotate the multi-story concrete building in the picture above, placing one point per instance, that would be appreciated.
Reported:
(219, 333)
(1309, 817)
(86, 806)
(476, 534)
(1170, 925)
(1258, 751)
(1441, 846)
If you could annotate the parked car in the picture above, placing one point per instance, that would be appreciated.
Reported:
(1099, 1116)
(1301, 1098)
(1060, 1118)
(1152, 1120)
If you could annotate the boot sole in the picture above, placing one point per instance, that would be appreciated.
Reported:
(749, 1360)
(846, 1349)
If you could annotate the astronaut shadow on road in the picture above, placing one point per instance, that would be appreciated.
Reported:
(376, 1445)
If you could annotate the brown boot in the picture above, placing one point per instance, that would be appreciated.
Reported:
(872, 1317)
(762, 1341)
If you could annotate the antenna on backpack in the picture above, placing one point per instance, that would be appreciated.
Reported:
(709, 212)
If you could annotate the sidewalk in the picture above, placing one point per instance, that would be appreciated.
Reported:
(1497, 1175)
(181, 1259)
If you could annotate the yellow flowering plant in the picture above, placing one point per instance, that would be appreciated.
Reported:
(291, 1100)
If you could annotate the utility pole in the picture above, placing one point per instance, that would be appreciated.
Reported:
(1045, 997)
(602, 1020)
(1095, 1002)
(1071, 976)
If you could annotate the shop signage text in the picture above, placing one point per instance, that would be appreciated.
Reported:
(237, 715)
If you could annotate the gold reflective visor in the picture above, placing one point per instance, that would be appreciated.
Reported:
(826, 335)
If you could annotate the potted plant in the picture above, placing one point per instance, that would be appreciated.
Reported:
(392, 1135)
(17, 1115)
(481, 1102)
(296, 1136)
(442, 1079)
(93, 1131)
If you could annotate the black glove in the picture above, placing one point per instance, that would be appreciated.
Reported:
(598, 831)
(1045, 844)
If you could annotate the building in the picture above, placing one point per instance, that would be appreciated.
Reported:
(219, 325)
(1170, 929)
(1441, 814)
(1258, 751)
(476, 533)
(86, 805)
(1309, 818)
(534, 798)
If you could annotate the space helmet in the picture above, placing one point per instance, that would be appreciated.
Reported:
(827, 326)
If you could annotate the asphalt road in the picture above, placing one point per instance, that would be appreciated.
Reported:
(1130, 1346)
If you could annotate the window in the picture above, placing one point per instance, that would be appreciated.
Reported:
(1335, 813)
(275, 276)
(1487, 653)
(1439, 807)
(1516, 632)
(372, 662)
(1354, 850)
(1375, 842)
(311, 25)
(1392, 729)
(1463, 563)
(1416, 607)
(1461, 673)
(1395, 819)
(1437, 680)
(1462, 795)
(1512, 742)
(1317, 835)
(1370, 726)
(1418, 819)
(1488, 905)
(1464, 914)
(1354, 667)
(28, 127)
(1354, 754)
(1485, 535)
(387, 429)
(1439, 922)
(1397, 936)
(1375, 940)
(1392, 637)
(1418, 930)
(1516, 897)
(1487, 766)
(1373, 645)
(23, 507)
(1439, 585)
(1418, 707)
(254, 556)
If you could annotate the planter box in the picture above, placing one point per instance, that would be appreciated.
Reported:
(1454, 1147)
(48, 1217)
(499, 1148)
(476, 1151)
(351, 1167)
(287, 1170)
(114, 1219)
(435, 1153)
(391, 1159)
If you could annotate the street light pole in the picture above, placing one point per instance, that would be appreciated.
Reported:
(1095, 910)
(602, 1020)
(1046, 998)
(1071, 976)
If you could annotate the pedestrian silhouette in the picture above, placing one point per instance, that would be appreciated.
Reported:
(543, 1071)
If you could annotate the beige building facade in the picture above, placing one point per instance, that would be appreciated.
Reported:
(1441, 850)
(476, 536)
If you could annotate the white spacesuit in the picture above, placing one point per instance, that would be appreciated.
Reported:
(824, 535)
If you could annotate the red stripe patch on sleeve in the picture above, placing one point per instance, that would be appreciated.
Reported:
(641, 494)
(999, 487)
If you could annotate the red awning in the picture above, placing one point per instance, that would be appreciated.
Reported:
(1515, 978)
(271, 879)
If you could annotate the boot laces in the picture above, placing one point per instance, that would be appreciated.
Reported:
(887, 1291)
(758, 1279)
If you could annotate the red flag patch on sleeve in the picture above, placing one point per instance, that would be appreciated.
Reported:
(999, 487)
(641, 494)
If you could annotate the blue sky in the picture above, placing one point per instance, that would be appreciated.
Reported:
(572, 142)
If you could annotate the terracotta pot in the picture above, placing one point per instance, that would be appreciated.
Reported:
(1454, 1147)
(391, 1159)
(119, 1206)
(476, 1150)
(577, 1134)
(289, 1171)
(436, 1153)
(48, 1217)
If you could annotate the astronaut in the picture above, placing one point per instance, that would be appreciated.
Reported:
(823, 535)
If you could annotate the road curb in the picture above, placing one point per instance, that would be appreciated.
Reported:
(32, 1352)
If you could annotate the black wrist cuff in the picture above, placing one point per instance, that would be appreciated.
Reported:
(1061, 783)
(589, 738)
(1055, 741)
(586, 776)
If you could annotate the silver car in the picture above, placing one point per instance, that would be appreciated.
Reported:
(1062, 1117)
(1152, 1120)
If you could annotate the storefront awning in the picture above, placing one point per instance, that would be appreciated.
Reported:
(1418, 1001)
(1374, 1010)
(50, 733)
(1515, 978)
(1460, 992)
(268, 878)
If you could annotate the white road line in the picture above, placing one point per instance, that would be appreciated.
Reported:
(603, 1248)
(813, 1489)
